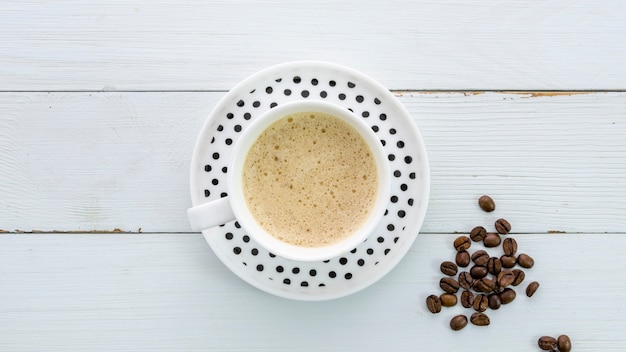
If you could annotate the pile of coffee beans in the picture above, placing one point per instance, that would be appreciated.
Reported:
(482, 280)
(560, 344)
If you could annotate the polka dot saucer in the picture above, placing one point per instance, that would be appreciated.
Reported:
(384, 248)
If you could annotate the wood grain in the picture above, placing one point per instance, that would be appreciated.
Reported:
(212, 45)
(105, 161)
(165, 292)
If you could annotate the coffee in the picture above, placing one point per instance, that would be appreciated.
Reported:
(310, 179)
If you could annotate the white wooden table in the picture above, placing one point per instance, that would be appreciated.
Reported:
(101, 102)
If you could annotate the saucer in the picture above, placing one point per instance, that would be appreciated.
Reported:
(396, 129)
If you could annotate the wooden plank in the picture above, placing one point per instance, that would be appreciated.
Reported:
(169, 292)
(200, 45)
(105, 161)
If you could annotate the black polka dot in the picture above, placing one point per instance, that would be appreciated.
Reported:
(229, 236)
(223, 194)
(394, 199)
(216, 156)
(269, 90)
(348, 276)
(382, 117)
(240, 103)
(287, 282)
(392, 130)
(377, 101)
(314, 81)
(390, 227)
(350, 109)
(228, 141)
(280, 269)
(410, 201)
(359, 98)
(297, 79)
(380, 239)
(237, 224)
(207, 168)
(360, 262)
(224, 169)
(342, 96)
(387, 251)
(383, 142)
(365, 114)
(397, 173)
(323, 94)
(220, 128)
(400, 144)
(230, 116)
(305, 93)
(404, 187)
(247, 116)
(254, 251)
(386, 212)
(326, 261)
(375, 128)
(237, 250)
(408, 159)
(312, 272)
(237, 128)
(332, 274)
(287, 92)
(321, 285)
(304, 284)
(370, 251)
(279, 80)
(259, 267)
(412, 175)
(391, 157)
(246, 238)
(273, 105)
(353, 251)
(272, 255)
(395, 239)
(351, 85)
(343, 260)
(215, 182)
(332, 83)
(295, 270)
(401, 213)
(256, 104)
(212, 140)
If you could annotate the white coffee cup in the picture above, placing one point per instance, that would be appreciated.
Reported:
(234, 206)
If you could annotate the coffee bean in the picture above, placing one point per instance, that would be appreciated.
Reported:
(494, 301)
(479, 319)
(449, 285)
(480, 257)
(519, 277)
(491, 240)
(458, 322)
(478, 233)
(478, 272)
(467, 299)
(448, 299)
(484, 285)
(508, 261)
(564, 343)
(481, 302)
(448, 268)
(547, 343)
(506, 278)
(466, 280)
(433, 303)
(502, 226)
(525, 261)
(462, 259)
(462, 243)
(494, 266)
(532, 288)
(507, 296)
(486, 203)
(509, 245)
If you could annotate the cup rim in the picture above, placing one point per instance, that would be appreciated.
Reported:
(260, 235)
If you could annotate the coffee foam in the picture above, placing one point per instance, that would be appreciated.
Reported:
(310, 179)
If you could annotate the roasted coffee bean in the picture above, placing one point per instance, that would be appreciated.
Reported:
(484, 285)
(466, 280)
(486, 203)
(547, 343)
(564, 343)
(478, 272)
(433, 303)
(532, 288)
(480, 257)
(462, 259)
(462, 243)
(481, 302)
(448, 268)
(507, 296)
(479, 319)
(448, 299)
(458, 322)
(449, 285)
(525, 261)
(478, 233)
(494, 266)
(509, 245)
(494, 301)
(467, 299)
(506, 278)
(502, 226)
(508, 261)
(491, 240)
(519, 277)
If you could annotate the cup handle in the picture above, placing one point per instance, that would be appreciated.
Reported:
(210, 214)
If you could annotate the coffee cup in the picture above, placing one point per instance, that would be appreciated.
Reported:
(307, 180)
